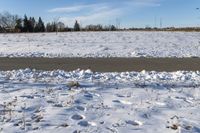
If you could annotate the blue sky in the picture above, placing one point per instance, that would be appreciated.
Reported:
(130, 13)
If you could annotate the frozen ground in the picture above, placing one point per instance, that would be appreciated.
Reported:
(128, 102)
(101, 44)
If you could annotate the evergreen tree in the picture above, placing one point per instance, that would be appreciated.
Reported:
(113, 28)
(48, 27)
(25, 25)
(40, 26)
(31, 24)
(18, 26)
(54, 27)
(1, 29)
(51, 27)
(77, 26)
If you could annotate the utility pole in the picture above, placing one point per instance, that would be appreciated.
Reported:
(161, 23)
(118, 23)
(155, 22)
(198, 9)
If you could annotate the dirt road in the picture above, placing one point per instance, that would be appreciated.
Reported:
(102, 64)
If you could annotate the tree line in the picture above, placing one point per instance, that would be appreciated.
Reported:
(14, 23)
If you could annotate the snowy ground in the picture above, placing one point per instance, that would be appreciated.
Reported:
(101, 44)
(129, 102)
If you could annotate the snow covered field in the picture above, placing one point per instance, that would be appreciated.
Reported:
(129, 102)
(82, 101)
(101, 44)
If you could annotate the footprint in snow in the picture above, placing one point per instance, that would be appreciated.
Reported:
(27, 96)
(134, 123)
(80, 108)
(122, 102)
(86, 123)
(78, 117)
(119, 95)
(88, 96)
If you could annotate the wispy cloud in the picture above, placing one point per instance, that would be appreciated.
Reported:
(87, 13)
(68, 9)
(144, 3)
(101, 12)
(94, 18)
(78, 8)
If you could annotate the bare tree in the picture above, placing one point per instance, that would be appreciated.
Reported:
(8, 21)
(56, 19)
(60, 26)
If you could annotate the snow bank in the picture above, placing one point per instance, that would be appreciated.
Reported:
(147, 78)
(101, 44)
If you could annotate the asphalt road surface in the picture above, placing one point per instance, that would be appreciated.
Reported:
(102, 64)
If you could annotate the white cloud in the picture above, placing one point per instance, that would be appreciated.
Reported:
(77, 8)
(144, 3)
(102, 13)
(88, 14)
(68, 9)
(99, 17)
